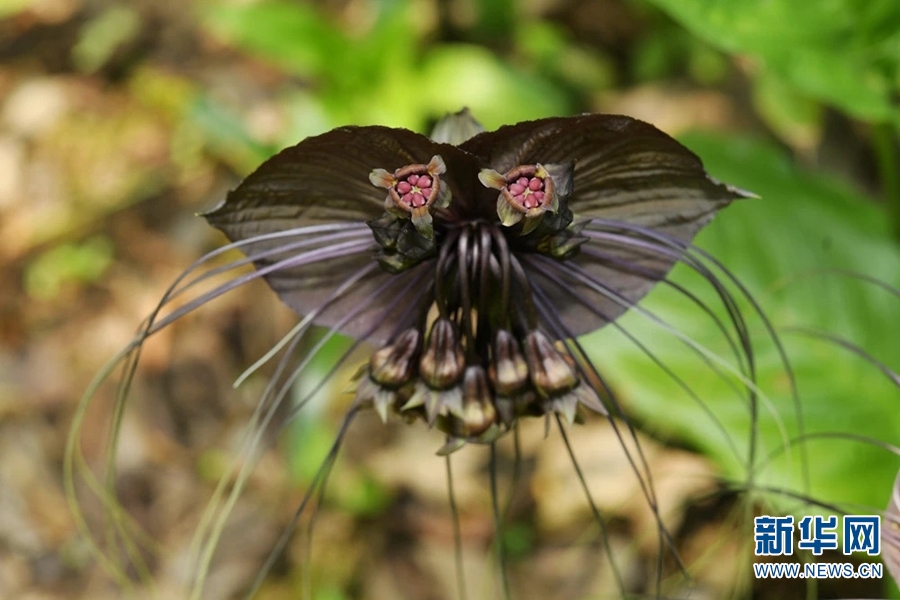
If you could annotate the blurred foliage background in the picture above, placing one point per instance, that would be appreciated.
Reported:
(120, 120)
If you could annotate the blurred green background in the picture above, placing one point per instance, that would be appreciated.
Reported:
(120, 120)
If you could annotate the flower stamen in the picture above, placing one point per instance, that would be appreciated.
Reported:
(528, 192)
(414, 192)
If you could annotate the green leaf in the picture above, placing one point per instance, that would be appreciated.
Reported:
(793, 116)
(842, 52)
(780, 247)
(293, 35)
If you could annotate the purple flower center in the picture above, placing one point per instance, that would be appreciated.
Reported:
(414, 190)
(527, 192)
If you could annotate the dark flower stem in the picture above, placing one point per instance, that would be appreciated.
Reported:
(598, 518)
(498, 524)
(457, 533)
(316, 487)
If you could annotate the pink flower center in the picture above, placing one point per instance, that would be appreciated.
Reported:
(527, 192)
(414, 190)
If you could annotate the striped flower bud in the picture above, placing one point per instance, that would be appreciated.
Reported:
(550, 373)
(478, 405)
(508, 370)
(395, 364)
(443, 361)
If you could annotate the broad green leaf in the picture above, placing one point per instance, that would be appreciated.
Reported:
(779, 246)
(842, 52)
(293, 35)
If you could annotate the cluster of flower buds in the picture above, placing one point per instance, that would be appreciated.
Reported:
(474, 387)
(474, 400)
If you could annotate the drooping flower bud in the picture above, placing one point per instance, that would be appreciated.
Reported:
(478, 420)
(440, 369)
(415, 191)
(443, 360)
(478, 404)
(550, 373)
(556, 379)
(390, 369)
(528, 192)
(395, 364)
(508, 370)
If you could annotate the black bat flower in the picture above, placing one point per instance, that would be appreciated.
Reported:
(471, 261)
(473, 266)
